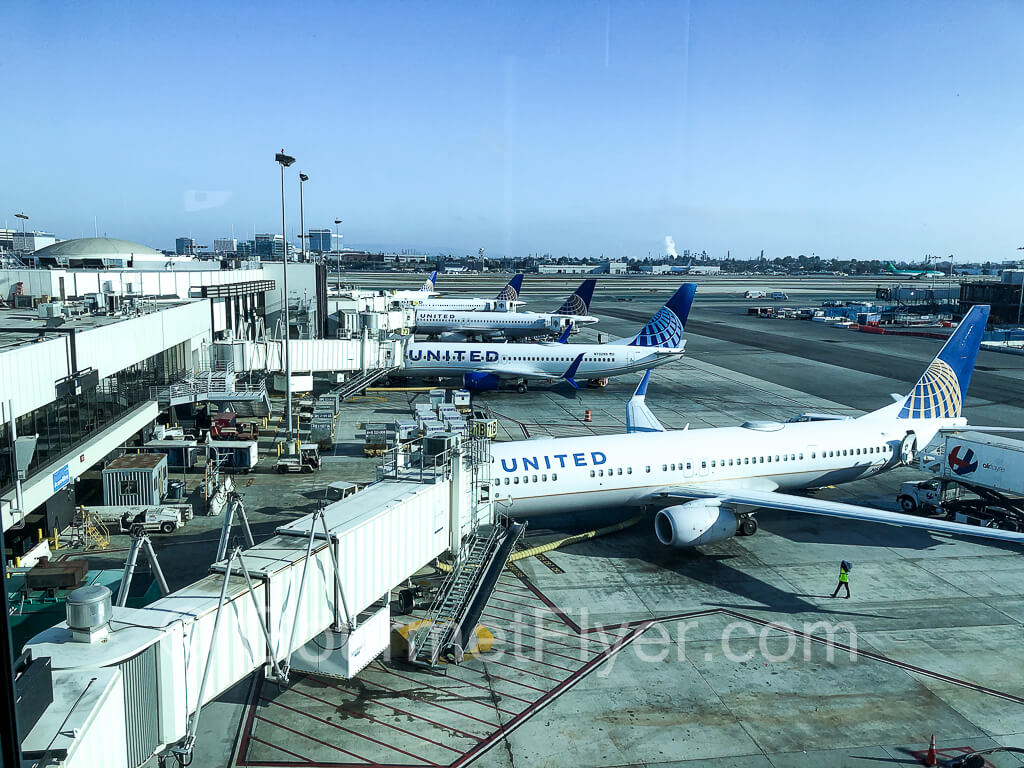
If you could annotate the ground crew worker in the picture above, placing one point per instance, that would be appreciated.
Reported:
(844, 579)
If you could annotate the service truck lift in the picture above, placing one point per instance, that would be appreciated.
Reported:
(979, 480)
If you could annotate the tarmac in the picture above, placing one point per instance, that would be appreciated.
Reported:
(620, 652)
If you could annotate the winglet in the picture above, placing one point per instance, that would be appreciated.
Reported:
(511, 291)
(578, 302)
(638, 416)
(940, 392)
(570, 373)
(564, 338)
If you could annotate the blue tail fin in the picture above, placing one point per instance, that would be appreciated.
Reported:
(940, 392)
(511, 291)
(579, 302)
(665, 329)
(564, 338)
(428, 284)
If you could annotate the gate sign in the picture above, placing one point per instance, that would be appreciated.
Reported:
(61, 477)
(962, 465)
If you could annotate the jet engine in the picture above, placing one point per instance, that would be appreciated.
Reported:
(702, 521)
(453, 336)
(475, 382)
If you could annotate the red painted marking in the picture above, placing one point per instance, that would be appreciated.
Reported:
(435, 723)
(305, 760)
(524, 671)
(533, 606)
(363, 735)
(546, 629)
(538, 661)
(423, 684)
(547, 639)
(307, 736)
(409, 695)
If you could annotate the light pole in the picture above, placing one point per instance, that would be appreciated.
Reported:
(1020, 301)
(337, 258)
(286, 160)
(303, 178)
(23, 218)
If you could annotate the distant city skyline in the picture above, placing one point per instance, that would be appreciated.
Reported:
(875, 131)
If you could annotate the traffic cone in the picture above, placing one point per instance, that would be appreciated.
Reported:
(586, 415)
(931, 758)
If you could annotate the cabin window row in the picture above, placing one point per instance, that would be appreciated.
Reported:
(541, 478)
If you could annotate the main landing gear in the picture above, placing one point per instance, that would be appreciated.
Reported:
(747, 526)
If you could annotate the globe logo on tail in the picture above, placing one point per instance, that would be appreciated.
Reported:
(936, 396)
(508, 293)
(962, 465)
(663, 330)
(573, 306)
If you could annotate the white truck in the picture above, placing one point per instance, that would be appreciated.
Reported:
(978, 479)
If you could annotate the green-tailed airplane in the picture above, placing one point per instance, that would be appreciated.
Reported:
(913, 274)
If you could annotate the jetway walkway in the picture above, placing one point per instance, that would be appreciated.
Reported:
(137, 684)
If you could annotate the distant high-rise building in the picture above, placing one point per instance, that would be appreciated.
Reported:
(271, 247)
(246, 249)
(225, 245)
(6, 239)
(322, 241)
(29, 242)
(185, 246)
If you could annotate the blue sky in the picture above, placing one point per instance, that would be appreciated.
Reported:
(874, 129)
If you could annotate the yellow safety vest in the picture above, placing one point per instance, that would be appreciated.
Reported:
(844, 576)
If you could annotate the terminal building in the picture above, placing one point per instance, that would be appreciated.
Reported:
(91, 346)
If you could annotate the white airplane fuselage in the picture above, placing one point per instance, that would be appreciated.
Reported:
(548, 360)
(512, 325)
(533, 478)
(464, 305)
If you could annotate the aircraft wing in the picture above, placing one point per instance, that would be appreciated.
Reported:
(737, 493)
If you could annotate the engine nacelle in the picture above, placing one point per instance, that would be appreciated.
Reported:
(702, 521)
(453, 336)
(477, 382)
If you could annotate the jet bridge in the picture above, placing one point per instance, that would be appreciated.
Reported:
(131, 686)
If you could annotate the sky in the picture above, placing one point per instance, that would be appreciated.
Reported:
(849, 130)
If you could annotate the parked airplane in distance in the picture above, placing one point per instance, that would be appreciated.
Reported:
(424, 293)
(506, 300)
(458, 325)
(711, 481)
(485, 365)
(913, 274)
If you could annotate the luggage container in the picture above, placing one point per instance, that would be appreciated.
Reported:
(321, 432)
(431, 427)
(406, 429)
(233, 455)
(461, 399)
(181, 454)
(135, 478)
(378, 437)
(437, 397)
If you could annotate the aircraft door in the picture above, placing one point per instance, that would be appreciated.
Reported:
(688, 468)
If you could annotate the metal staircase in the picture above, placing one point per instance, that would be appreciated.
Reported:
(218, 384)
(357, 384)
(457, 606)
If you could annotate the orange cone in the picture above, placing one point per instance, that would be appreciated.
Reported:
(931, 758)
(586, 415)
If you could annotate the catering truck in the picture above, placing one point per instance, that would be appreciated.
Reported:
(978, 478)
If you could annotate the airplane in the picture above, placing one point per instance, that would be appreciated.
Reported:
(506, 300)
(709, 482)
(423, 294)
(456, 325)
(913, 274)
(484, 365)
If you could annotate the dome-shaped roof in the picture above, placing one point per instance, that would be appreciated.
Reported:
(96, 247)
